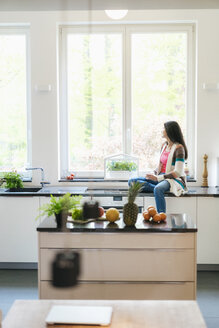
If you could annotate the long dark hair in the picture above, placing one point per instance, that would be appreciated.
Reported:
(174, 133)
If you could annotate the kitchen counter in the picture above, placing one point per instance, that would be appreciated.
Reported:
(174, 223)
(84, 191)
(201, 204)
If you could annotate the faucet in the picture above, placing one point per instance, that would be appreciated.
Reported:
(42, 182)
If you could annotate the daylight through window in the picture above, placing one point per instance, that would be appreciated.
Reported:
(119, 85)
(13, 100)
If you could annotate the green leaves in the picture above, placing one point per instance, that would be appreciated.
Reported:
(77, 214)
(59, 204)
(121, 166)
(133, 191)
(12, 180)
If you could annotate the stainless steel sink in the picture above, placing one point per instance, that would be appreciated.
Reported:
(26, 189)
(63, 190)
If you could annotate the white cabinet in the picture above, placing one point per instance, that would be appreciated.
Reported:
(176, 205)
(18, 237)
(205, 213)
(43, 200)
(208, 230)
(18, 233)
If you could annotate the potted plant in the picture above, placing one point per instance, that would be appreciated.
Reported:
(120, 167)
(60, 207)
(12, 181)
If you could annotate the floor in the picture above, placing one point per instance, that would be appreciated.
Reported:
(208, 297)
(22, 284)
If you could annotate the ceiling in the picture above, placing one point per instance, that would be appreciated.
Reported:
(51, 5)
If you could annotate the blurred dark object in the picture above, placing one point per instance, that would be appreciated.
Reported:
(61, 219)
(65, 269)
(91, 210)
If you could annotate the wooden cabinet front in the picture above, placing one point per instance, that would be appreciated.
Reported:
(123, 265)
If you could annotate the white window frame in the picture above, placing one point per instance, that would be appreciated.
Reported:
(24, 30)
(127, 30)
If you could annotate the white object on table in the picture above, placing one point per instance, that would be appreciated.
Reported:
(84, 315)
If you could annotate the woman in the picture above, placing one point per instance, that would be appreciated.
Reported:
(169, 175)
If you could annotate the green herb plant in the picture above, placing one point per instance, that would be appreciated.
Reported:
(12, 180)
(66, 204)
(121, 166)
(77, 214)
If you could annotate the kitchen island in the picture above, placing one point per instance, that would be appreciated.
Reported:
(148, 261)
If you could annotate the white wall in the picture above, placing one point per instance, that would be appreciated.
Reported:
(43, 31)
(106, 4)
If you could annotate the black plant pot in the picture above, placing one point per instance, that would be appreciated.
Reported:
(61, 219)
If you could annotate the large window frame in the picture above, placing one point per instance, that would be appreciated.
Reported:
(24, 30)
(126, 30)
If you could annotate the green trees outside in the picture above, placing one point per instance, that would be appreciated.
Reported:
(159, 66)
(158, 71)
(94, 77)
(95, 96)
(88, 98)
(13, 127)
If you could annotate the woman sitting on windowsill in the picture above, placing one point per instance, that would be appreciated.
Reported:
(169, 175)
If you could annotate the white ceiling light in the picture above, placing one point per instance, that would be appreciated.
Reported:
(116, 14)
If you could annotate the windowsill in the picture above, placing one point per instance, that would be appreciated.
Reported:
(91, 180)
(102, 180)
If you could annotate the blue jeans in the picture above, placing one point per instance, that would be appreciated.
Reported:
(158, 188)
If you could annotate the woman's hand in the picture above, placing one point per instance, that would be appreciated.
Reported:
(151, 177)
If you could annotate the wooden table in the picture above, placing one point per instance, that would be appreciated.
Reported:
(126, 314)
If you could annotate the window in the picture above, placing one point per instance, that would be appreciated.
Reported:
(14, 103)
(119, 84)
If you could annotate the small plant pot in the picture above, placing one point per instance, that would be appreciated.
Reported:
(121, 175)
(61, 219)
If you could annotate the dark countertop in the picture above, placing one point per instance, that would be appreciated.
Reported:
(58, 191)
(174, 223)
